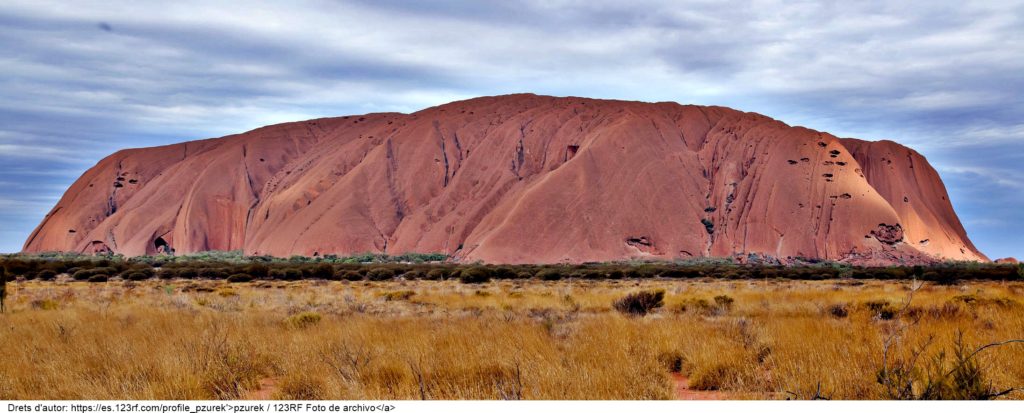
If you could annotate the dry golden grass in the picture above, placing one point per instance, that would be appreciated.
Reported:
(445, 340)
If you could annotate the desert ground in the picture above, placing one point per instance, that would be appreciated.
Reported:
(511, 339)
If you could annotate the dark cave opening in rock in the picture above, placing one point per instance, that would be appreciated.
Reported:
(570, 151)
(162, 247)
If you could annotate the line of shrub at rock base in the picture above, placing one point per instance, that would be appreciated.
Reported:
(382, 268)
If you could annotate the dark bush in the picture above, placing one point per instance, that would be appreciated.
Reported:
(438, 274)
(15, 268)
(838, 311)
(475, 275)
(504, 273)
(323, 271)
(239, 278)
(3, 288)
(413, 275)
(46, 275)
(187, 273)
(82, 275)
(212, 273)
(99, 278)
(136, 275)
(647, 271)
(550, 274)
(291, 274)
(380, 274)
(106, 270)
(257, 270)
(881, 309)
(640, 303)
(941, 277)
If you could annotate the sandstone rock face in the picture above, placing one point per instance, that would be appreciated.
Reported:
(1007, 260)
(519, 179)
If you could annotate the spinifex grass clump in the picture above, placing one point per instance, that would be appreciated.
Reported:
(303, 319)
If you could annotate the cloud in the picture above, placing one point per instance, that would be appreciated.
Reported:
(1007, 178)
(79, 80)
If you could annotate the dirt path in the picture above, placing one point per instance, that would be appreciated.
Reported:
(265, 391)
(681, 385)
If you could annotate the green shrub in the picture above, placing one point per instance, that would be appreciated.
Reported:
(257, 270)
(82, 275)
(380, 274)
(98, 278)
(410, 274)
(136, 275)
(323, 271)
(239, 278)
(504, 273)
(475, 275)
(592, 274)
(647, 271)
(437, 274)
(640, 303)
(106, 270)
(290, 274)
(212, 273)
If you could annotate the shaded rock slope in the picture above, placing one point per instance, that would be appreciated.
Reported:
(519, 179)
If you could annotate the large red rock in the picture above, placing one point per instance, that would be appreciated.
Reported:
(519, 178)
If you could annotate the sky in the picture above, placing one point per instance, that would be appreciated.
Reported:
(80, 80)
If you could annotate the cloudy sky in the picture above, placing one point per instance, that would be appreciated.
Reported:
(81, 79)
